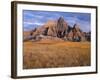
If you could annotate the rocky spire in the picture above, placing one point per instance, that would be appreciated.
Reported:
(62, 27)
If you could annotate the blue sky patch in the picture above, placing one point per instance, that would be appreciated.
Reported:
(32, 19)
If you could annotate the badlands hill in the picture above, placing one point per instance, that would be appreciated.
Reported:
(58, 29)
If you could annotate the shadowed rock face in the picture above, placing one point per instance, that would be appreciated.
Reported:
(51, 28)
(87, 36)
(62, 27)
(61, 30)
(57, 28)
(76, 34)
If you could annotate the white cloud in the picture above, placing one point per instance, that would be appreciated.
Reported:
(38, 23)
(33, 23)
(28, 23)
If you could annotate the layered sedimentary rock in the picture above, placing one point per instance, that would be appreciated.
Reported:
(59, 29)
(76, 34)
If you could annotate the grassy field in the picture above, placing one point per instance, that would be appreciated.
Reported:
(48, 54)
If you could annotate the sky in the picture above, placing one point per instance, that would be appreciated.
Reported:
(33, 19)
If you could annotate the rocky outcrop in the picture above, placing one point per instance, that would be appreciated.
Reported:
(59, 29)
(87, 36)
(56, 28)
(76, 34)
(51, 28)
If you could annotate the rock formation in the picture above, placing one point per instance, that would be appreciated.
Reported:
(59, 29)
(76, 34)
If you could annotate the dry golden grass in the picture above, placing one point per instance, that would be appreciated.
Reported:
(48, 54)
(26, 33)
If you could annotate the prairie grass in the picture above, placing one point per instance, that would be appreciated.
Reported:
(50, 54)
